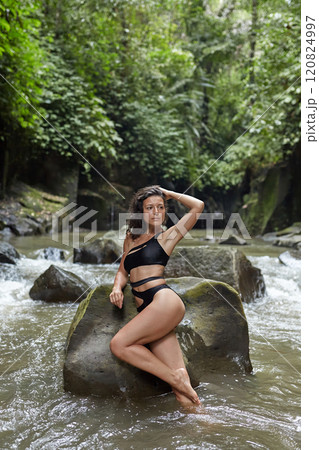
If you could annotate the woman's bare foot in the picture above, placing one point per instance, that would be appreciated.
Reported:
(184, 388)
(182, 399)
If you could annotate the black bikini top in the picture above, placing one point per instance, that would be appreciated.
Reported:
(151, 252)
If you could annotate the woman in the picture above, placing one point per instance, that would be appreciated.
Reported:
(159, 308)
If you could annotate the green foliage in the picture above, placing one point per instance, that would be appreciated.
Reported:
(75, 123)
(270, 107)
(159, 89)
(154, 141)
(20, 64)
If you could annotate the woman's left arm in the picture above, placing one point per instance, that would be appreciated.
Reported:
(175, 233)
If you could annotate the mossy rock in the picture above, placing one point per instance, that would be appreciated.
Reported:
(267, 193)
(213, 336)
(28, 210)
(221, 264)
(295, 228)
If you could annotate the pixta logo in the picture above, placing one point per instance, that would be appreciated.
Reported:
(208, 218)
(70, 226)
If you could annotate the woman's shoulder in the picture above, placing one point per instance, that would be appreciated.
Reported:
(169, 238)
(128, 241)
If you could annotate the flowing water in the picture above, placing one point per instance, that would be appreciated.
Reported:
(260, 410)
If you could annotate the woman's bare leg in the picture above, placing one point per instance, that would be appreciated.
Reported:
(154, 322)
(167, 349)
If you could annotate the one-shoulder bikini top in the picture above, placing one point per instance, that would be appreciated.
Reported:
(151, 252)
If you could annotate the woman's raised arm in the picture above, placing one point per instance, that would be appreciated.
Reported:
(175, 233)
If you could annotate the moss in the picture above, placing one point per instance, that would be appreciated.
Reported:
(295, 228)
(270, 196)
(25, 201)
(79, 315)
(199, 290)
(262, 202)
(35, 201)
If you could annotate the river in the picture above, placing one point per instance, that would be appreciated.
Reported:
(257, 411)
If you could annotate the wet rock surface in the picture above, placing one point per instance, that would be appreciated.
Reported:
(8, 254)
(99, 251)
(58, 285)
(221, 264)
(213, 336)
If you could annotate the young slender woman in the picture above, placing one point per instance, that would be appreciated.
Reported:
(159, 308)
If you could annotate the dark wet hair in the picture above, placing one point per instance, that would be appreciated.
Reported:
(136, 206)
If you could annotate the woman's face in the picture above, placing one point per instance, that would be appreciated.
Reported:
(154, 210)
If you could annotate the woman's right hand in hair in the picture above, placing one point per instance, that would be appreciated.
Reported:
(117, 297)
(165, 192)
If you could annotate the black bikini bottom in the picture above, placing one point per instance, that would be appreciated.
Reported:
(148, 294)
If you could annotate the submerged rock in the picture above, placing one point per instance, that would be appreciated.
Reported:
(290, 258)
(8, 254)
(288, 237)
(51, 253)
(295, 228)
(58, 285)
(223, 264)
(213, 335)
(100, 251)
(233, 240)
(288, 240)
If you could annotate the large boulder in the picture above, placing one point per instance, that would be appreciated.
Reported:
(214, 310)
(213, 336)
(223, 264)
(8, 254)
(99, 251)
(58, 285)
(273, 197)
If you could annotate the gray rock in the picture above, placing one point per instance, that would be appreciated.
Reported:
(295, 228)
(288, 240)
(233, 240)
(213, 335)
(290, 258)
(51, 253)
(222, 264)
(58, 285)
(27, 210)
(24, 226)
(100, 251)
(214, 311)
(271, 237)
(8, 254)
